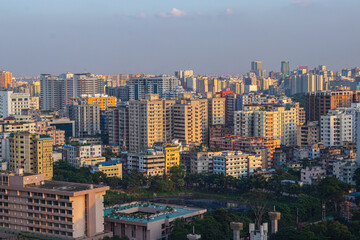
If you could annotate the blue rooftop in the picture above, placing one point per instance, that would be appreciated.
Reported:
(163, 212)
(40, 139)
(107, 163)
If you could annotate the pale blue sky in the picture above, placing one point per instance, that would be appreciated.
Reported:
(162, 36)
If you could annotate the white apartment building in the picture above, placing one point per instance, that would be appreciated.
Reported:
(76, 155)
(13, 103)
(236, 164)
(336, 128)
(276, 123)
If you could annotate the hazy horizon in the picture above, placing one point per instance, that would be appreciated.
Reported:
(162, 36)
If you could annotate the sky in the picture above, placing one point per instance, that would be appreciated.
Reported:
(163, 36)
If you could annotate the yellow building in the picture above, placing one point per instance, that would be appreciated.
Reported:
(111, 169)
(35, 89)
(103, 101)
(172, 157)
(30, 152)
(90, 161)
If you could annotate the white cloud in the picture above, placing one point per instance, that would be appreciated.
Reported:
(229, 11)
(173, 13)
(301, 3)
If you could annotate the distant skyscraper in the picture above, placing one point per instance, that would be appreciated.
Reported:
(285, 67)
(5, 79)
(86, 83)
(139, 87)
(256, 66)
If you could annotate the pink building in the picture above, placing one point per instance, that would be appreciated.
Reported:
(310, 175)
(42, 128)
(52, 209)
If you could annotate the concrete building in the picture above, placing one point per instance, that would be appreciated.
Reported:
(118, 126)
(87, 83)
(64, 124)
(86, 117)
(190, 121)
(140, 86)
(310, 175)
(102, 100)
(278, 123)
(308, 134)
(34, 103)
(150, 163)
(236, 164)
(149, 122)
(248, 144)
(31, 153)
(336, 128)
(82, 153)
(58, 135)
(111, 169)
(56, 210)
(216, 111)
(319, 103)
(13, 103)
(55, 92)
(5, 79)
(146, 221)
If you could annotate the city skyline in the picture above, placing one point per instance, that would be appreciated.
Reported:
(210, 37)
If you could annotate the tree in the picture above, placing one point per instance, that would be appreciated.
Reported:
(356, 177)
(258, 202)
(332, 190)
(177, 175)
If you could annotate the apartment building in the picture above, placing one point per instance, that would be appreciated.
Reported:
(190, 121)
(236, 164)
(217, 111)
(86, 117)
(31, 153)
(149, 122)
(336, 128)
(87, 83)
(319, 103)
(13, 103)
(264, 147)
(308, 134)
(278, 123)
(56, 210)
(79, 154)
(140, 86)
(150, 163)
(5, 79)
(118, 126)
(58, 135)
(102, 100)
(111, 169)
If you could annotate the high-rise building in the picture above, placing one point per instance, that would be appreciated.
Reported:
(32, 153)
(103, 101)
(256, 66)
(190, 121)
(118, 126)
(86, 117)
(285, 67)
(82, 153)
(149, 122)
(278, 123)
(53, 93)
(319, 103)
(217, 111)
(308, 134)
(5, 79)
(139, 87)
(13, 103)
(86, 83)
(336, 128)
(51, 209)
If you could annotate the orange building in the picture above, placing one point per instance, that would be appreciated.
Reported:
(5, 79)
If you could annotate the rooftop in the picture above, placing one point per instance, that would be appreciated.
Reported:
(147, 212)
(67, 186)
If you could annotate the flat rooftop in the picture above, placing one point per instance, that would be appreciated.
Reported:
(66, 186)
(148, 212)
